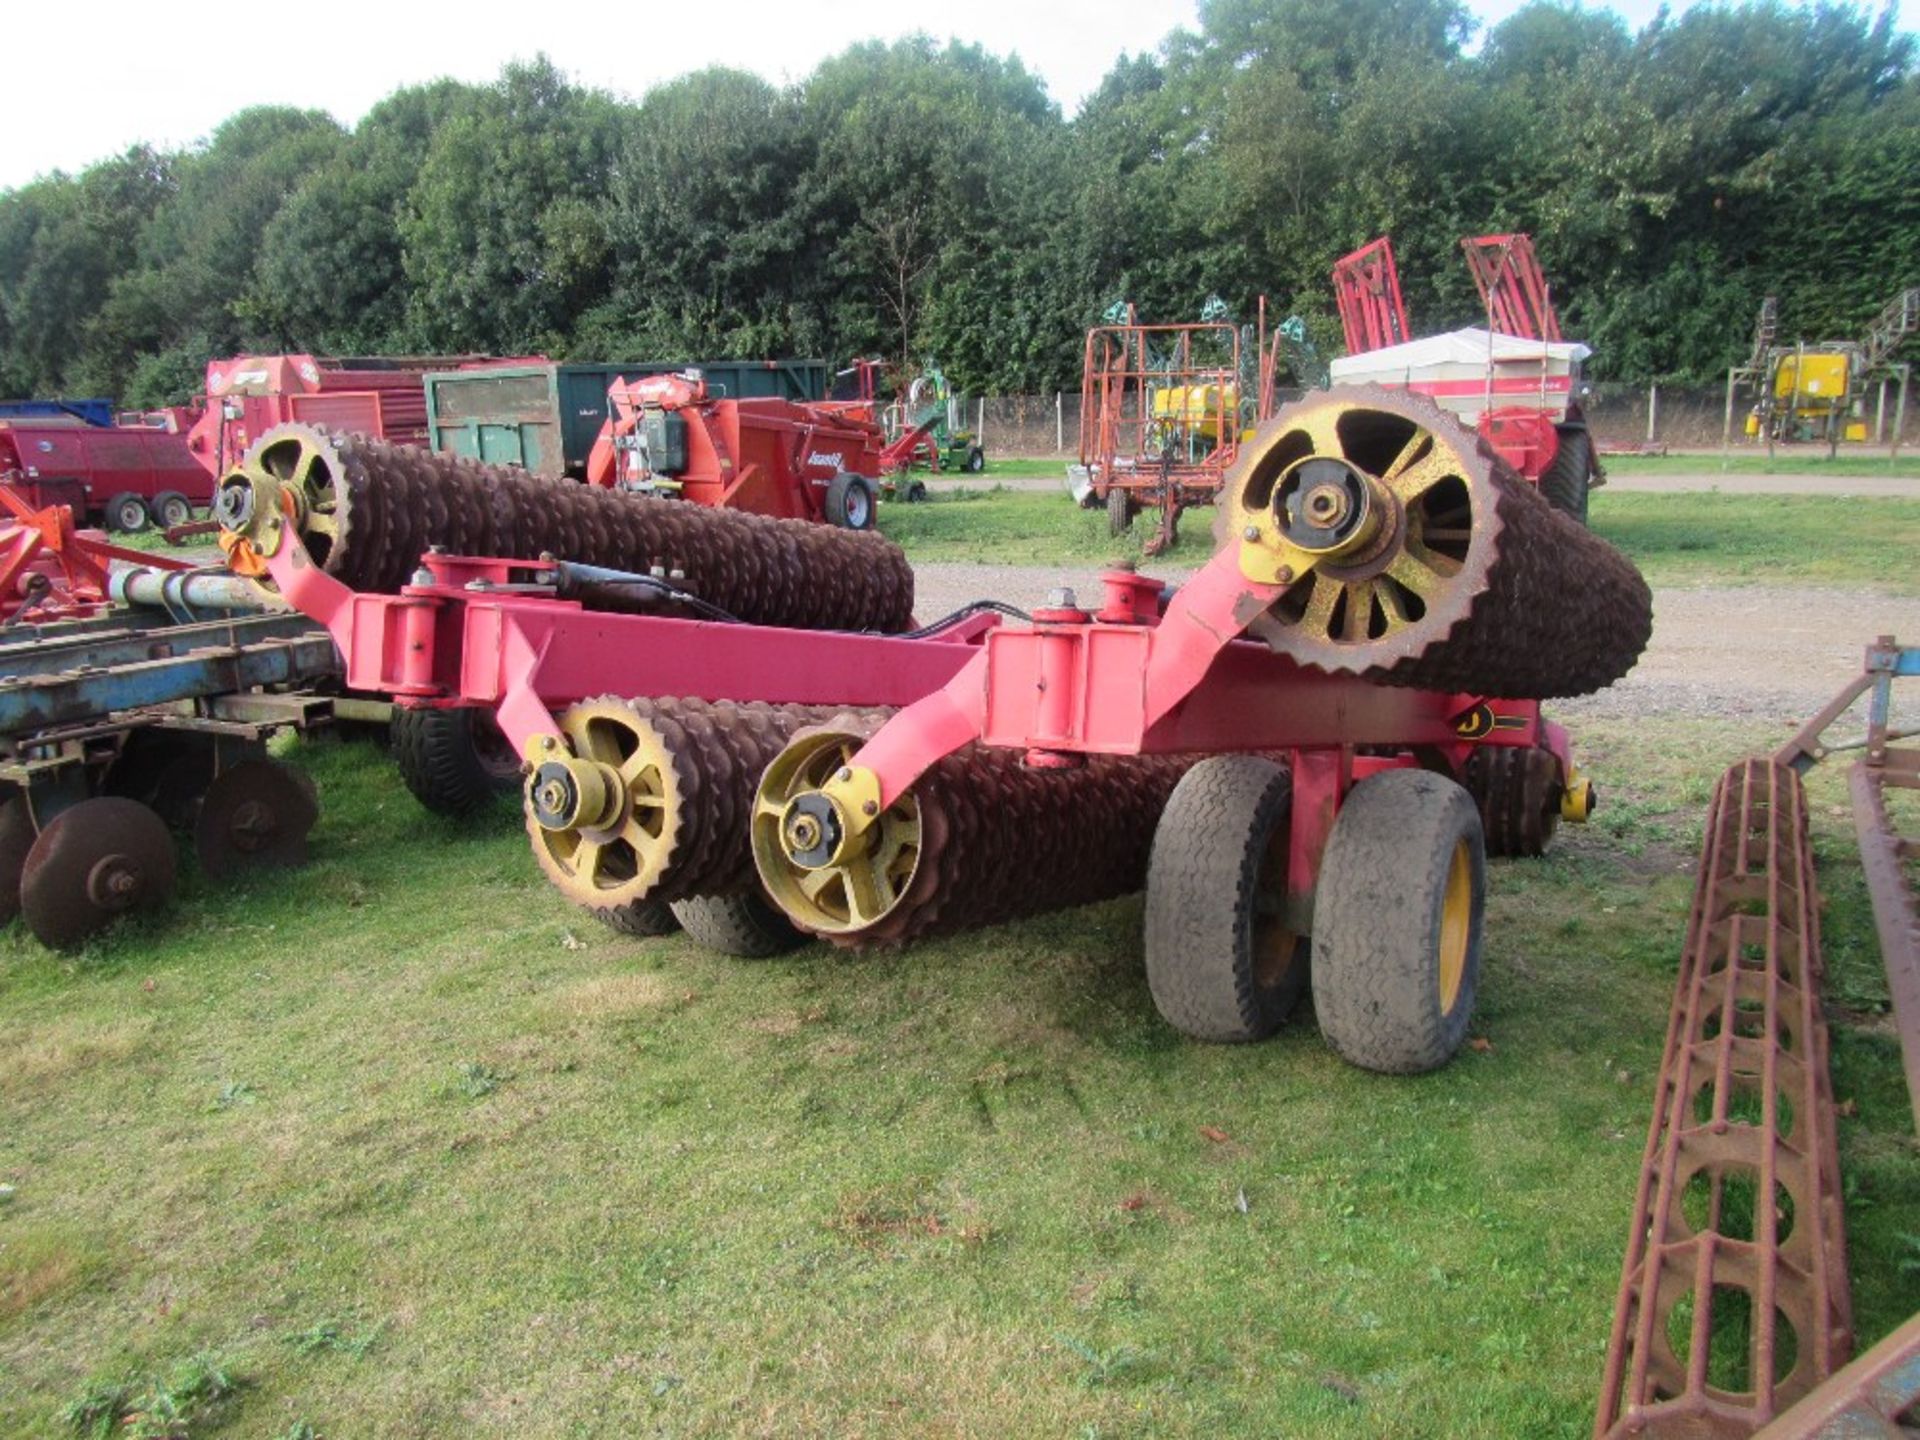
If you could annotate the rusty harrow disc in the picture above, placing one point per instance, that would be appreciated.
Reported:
(94, 862)
(1413, 554)
(257, 812)
(678, 785)
(367, 510)
(980, 839)
(1733, 1300)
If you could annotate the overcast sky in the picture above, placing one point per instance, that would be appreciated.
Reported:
(86, 83)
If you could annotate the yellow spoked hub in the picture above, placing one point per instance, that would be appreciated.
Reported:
(1456, 926)
(1374, 509)
(605, 820)
(293, 477)
(830, 874)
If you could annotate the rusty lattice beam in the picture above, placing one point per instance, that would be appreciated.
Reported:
(1733, 1300)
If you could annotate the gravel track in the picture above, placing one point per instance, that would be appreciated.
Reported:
(1724, 652)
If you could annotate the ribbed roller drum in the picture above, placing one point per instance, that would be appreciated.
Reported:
(367, 510)
(981, 838)
(1412, 554)
(653, 800)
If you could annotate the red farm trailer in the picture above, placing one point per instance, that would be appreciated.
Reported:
(383, 397)
(126, 475)
(668, 437)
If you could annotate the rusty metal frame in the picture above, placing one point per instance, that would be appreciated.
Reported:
(1874, 1398)
(1744, 1097)
(1885, 854)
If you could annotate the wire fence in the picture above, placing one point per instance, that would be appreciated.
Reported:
(1621, 416)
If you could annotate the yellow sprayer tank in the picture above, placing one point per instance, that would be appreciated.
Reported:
(1811, 381)
(1198, 409)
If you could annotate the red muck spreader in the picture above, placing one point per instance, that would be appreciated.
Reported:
(1387, 606)
(668, 438)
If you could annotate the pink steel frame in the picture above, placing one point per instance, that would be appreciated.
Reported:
(1134, 678)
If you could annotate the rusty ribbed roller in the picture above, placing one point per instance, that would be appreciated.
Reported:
(980, 839)
(1733, 1300)
(652, 804)
(367, 510)
(1413, 555)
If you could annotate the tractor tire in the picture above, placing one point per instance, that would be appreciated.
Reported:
(643, 920)
(849, 502)
(1397, 923)
(917, 492)
(126, 514)
(1566, 482)
(1119, 512)
(976, 460)
(171, 508)
(748, 925)
(1220, 962)
(456, 762)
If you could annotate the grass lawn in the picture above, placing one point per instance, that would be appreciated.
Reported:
(401, 1144)
(1809, 461)
(1740, 462)
(1682, 539)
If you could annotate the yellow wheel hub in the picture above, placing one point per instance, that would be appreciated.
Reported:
(606, 820)
(1364, 505)
(1456, 925)
(300, 467)
(827, 878)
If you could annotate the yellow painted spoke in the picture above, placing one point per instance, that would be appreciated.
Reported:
(587, 857)
(1408, 453)
(1444, 566)
(634, 770)
(868, 893)
(1319, 614)
(1416, 480)
(1413, 573)
(1359, 612)
(812, 882)
(1322, 426)
(1392, 604)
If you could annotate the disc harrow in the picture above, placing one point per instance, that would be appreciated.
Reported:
(981, 838)
(367, 510)
(1409, 552)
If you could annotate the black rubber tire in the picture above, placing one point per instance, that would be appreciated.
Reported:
(446, 761)
(1566, 482)
(916, 492)
(1218, 865)
(849, 502)
(1377, 922)
(1119, 512)
(976, 460)
(1518, 795)
(643, 919)
(126, 514)
(170, 508)
(749, 926)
